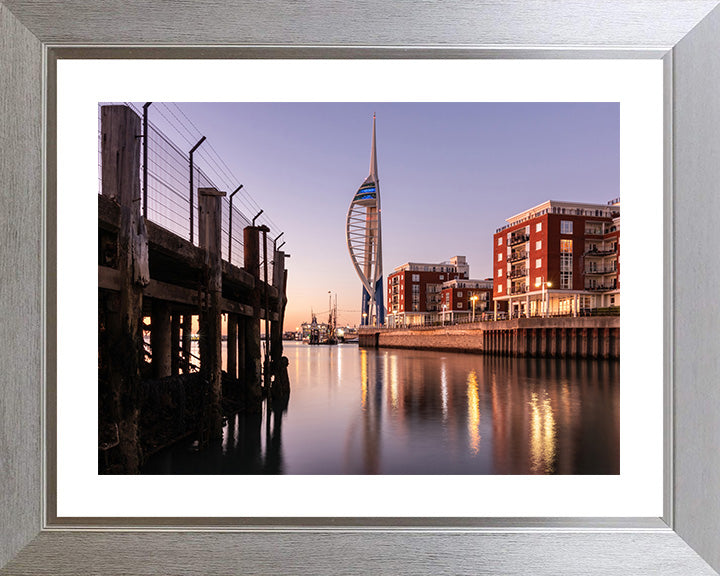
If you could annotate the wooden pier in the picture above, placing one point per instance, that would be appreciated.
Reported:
(152, 279)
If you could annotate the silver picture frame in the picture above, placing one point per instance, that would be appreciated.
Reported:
(685, 34)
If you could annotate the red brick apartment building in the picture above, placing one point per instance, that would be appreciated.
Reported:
(458, 297)
(558, 258)
(415, 290)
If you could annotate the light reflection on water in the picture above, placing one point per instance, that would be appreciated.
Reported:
(367, 411)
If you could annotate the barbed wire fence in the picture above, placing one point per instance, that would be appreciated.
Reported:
(172, 184)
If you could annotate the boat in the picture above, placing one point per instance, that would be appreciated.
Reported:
(315, 333)
(346, 334)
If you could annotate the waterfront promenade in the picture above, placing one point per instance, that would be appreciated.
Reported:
(555, 337)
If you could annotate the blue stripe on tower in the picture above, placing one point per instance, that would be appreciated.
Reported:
(379, 302)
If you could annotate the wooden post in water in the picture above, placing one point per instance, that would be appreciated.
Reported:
(231, 343)
(174, 344)
(251, 336)
(160, 339)
(210, 220)
(241, 322)
(120, 391)
(281, 383)
(186, 342)
(279, 281)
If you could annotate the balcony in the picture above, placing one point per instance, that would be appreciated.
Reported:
(594, 231)
(519, 289)
(517, 256)
(601, 253)
(518, 239)
(599, 271)
(601, 287)
(518, 273)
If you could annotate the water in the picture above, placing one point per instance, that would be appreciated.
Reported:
(365, 411)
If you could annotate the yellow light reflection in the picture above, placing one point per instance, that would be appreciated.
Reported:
(363, 377)
(394, 382)
(444, 389)
(543, 443)
(473, 401)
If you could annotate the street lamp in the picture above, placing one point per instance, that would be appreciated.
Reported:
(473, 298)
(544, 303)
(364, 319)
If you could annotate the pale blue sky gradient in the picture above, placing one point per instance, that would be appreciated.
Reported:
(450, 174)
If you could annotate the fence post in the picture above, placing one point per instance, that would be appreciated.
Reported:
(192, 189)
(230, 215)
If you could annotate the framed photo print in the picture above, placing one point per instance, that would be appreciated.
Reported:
(359, 295)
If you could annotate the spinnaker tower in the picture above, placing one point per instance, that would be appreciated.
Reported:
(364, 240)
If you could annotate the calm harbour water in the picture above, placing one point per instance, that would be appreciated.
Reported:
(365, 411)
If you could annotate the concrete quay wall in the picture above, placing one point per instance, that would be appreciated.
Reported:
(566, 337)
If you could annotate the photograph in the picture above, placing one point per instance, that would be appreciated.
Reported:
(359, 288)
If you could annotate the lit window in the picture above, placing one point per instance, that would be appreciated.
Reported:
(566, 227)
(538, 245)
(500, 288)
(566, 246)
(499, 256)
(499, 240)
(499, 272)
(538, 263)
(538, 227)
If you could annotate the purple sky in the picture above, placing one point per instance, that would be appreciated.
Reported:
(450, 174)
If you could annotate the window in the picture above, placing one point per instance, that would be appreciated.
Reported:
(538, 263)
(538, 227)
(538, 245)
(442, 277)
(459, 304)
(499, 256)
(499, 240)
(416, 288)
(499, 272)
(499, 288)
(459, 294)
(416, 277)
(566, 264)
(566, 227)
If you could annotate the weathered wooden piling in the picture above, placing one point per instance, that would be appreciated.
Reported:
(232, 345)
(281, 383)
(253, 367)
(210, 219)
(160, 339)
(186, 342)
(174, 344)
(120, 391)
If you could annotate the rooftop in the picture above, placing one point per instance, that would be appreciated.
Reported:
(609, 210)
